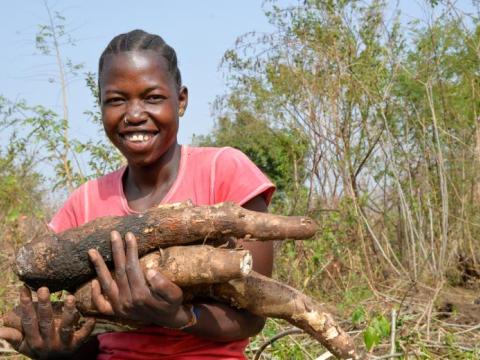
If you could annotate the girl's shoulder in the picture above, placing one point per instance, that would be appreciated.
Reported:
(101, 188)
(208, 154)
(232, 175)
(97, 197)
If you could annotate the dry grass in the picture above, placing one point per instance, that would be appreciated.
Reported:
(429, 322)
(14, 234)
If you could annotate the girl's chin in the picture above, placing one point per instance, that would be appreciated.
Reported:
(141, 160)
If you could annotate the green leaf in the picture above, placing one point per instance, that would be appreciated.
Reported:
(382, 325)
(370, 337)
(56, 296)
(358, 315)
(13, 215)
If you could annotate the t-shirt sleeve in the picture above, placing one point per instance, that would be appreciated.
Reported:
(238, 179)
(68, 216)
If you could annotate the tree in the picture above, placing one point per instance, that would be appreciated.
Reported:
(47, 42)
(45, 132)
(389, 113)
(278, 152)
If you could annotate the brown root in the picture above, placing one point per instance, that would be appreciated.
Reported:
(266, 297)
(186, 266)
(60, 261)
(254, 292)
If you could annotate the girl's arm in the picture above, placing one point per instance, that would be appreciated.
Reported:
(126, 294)
(217, 321)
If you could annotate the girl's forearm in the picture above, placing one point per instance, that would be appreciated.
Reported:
(220, 322)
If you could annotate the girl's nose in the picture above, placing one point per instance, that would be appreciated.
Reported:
(135, 113)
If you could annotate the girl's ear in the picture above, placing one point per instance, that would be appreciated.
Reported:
(182, 100)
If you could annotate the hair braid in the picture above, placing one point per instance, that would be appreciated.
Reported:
(141, 40)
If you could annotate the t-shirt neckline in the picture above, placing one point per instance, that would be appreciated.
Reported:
(168, 195)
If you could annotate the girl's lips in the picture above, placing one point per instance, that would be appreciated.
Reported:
(138, 143)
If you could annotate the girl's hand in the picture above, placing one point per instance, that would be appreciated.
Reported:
(46, 337)
(129, 296)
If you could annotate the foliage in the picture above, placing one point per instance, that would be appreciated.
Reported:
(279, 152)
(44, 132)
(389, 111)
(389, 119)
(22, 202)
(295, 346)
(40, 131)
(378, 329)
(17, 175)
(102, 156)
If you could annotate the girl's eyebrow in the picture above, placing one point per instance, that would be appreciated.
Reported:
(151, 88)
(146, 91)
(112, 91)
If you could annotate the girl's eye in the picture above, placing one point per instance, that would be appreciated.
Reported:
(114, 101)
(154, 98)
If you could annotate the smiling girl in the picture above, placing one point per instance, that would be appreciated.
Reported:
(142, 98)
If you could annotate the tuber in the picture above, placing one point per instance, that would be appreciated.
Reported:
(243, 289)
(60, 261)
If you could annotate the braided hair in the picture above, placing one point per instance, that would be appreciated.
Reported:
(141, 40)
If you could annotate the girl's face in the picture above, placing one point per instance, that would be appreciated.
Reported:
(137, 86)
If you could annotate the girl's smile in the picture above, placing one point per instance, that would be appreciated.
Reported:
(139, 141)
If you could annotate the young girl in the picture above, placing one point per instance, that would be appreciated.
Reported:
(142, 98)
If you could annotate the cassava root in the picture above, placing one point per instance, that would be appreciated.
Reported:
(60, 261)
(245, 289)
(269, 298)
(184, 265)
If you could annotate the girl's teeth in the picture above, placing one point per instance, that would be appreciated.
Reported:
(138, 137)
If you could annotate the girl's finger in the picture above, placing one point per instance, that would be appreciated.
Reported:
(29, 320)
(45, 315)
(118, 252)
(81, 334)
(163, 288)
(101, 303)
(12, 336)
(108, 285)
(135, 275)
(141, 295)
(69, 319)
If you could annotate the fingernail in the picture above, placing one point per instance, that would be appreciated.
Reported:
(151, 273)
(43, 292)
(92, 254)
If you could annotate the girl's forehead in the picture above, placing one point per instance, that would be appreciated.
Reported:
(135, 59)
(134, 63)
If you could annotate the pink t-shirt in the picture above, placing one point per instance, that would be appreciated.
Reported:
(206, 176)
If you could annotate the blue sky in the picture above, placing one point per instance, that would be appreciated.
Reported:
(200, 31)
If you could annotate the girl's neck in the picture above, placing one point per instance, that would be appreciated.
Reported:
(146, 186)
